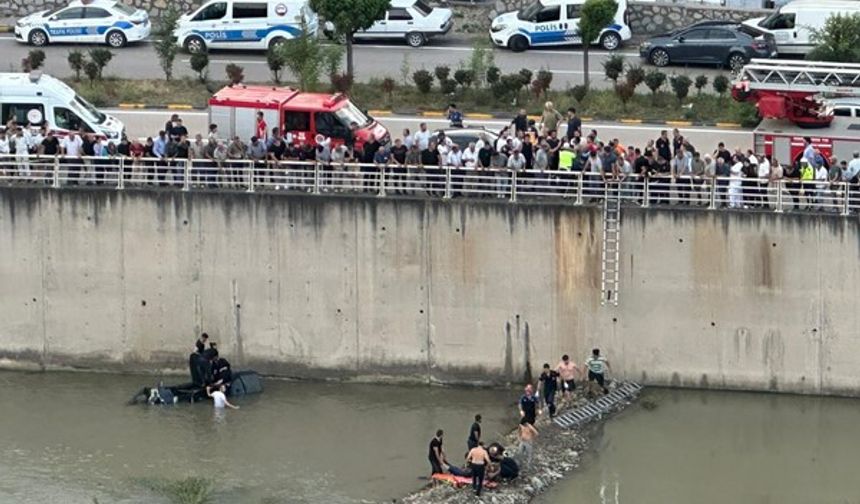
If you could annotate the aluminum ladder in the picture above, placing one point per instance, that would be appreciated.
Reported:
(801, 76)
(609, 277)
(598, 409)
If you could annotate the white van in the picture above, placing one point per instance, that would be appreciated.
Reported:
(244, 24)
(35, 98)
(793, 23)
(552, 23)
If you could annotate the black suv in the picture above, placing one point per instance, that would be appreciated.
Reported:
(709, 42)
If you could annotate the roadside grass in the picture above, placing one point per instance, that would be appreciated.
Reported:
(597, 104)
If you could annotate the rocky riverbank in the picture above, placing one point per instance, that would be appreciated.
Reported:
(557, 452)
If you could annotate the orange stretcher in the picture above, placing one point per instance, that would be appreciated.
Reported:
(460, 481)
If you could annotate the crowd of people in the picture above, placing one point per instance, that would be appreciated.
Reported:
(671, 167)
(492, 461)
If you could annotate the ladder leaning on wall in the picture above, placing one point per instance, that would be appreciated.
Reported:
(611, 236)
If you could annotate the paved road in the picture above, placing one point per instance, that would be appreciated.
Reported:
(371, 60)
(142, 123)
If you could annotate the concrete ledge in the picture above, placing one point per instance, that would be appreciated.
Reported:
(4, 28)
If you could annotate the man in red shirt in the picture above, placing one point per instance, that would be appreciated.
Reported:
(261, 127)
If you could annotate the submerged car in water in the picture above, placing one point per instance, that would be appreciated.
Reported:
(241, 383)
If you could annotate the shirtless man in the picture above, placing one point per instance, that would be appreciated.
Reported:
(527, 434)
(567, 372)
(478, 459)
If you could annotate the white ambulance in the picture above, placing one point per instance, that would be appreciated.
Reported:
(553, 23)
(33, 99)
(244, 24)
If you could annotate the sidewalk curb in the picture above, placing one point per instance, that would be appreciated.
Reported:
(6, 28)
(477, 116)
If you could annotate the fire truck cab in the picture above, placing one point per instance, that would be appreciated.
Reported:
(301, 115)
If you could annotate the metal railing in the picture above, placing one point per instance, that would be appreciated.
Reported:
(566, 187)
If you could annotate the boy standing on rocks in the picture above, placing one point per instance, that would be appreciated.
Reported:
(597, 367)
(527, 434)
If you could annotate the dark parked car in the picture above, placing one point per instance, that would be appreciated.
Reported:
(709, 42)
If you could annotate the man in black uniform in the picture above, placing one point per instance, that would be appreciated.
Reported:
(549, 382)
(474, 433)
(201, 343)
(436, 455)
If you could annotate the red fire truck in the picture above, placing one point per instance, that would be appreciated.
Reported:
(790, 97)
(303, 115)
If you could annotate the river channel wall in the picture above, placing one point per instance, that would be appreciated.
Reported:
(418, 290)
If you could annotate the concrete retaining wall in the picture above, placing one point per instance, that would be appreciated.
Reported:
(421, 291)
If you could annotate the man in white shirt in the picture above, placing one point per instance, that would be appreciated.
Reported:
(454, 158)
(4, 152)
(22, 152)
(71, 148)
(853, 168)
(219, 398)
(470, 156)
(422, 136)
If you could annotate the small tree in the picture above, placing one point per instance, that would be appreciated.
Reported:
(348, 17)
(625, 92)
(101, 57)
(701, 82)
(579, 92)
(464, 77)
(493, 74)
(542, 82)
(448, 86)
(423, 81)
(721, 85)
(838, 40)
(36, 59)
(525, 77)
(165, 40)
(655, 79)
(594, 17)
(200, 64)
(635, 76)
(680, 86)
(341, 82)
(480, 60)
(307, 59)
(76, 63)
(275, 62)
(235, 73)
(388, 86)
(442, 72)
(405, 68)
(91, 69)
(613, 67)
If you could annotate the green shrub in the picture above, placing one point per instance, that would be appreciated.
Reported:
(101, 57)
(700, 82)
(655, 79)
(200, 64)
(635, 76)
(235, 73)
(721, 84)
(423, 81)
(464, 77)
(680, 86)
(493, 75)
(442, 72)
(613, 67)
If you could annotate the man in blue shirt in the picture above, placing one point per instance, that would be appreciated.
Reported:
(529, 405)
(455, 117)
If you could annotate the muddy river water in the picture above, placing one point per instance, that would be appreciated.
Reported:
(69, 437)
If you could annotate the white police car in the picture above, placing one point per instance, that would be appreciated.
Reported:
(97, 21)
(554, 23)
